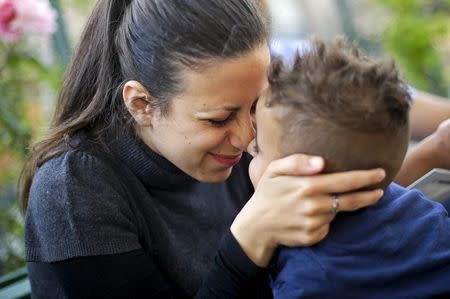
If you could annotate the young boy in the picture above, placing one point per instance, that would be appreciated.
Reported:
(353, 111)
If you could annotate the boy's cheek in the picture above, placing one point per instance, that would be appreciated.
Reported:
(254, 170)
(251, 147)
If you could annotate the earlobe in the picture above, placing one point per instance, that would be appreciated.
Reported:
(138, 102)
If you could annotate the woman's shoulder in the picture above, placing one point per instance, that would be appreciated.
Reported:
(73, 165)
(77, 207)
(74, 172)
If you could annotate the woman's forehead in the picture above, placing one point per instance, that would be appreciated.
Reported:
(230, 80)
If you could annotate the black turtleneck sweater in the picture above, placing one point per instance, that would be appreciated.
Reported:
(130, 224)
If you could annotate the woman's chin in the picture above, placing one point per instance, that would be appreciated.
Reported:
(213, 176)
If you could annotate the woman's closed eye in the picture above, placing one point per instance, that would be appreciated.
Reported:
(220, 122)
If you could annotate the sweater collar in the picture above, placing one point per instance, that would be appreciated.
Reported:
(155, 171)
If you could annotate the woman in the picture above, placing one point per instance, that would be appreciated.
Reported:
(140, 187)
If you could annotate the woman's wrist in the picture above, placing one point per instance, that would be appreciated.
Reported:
(255, 244)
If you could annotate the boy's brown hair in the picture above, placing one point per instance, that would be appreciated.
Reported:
(343, 106)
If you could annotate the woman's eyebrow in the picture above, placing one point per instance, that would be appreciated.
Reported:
(230, 108)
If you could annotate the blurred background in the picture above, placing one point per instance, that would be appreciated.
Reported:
(37, 38)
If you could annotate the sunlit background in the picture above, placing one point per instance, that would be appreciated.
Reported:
(33, 59)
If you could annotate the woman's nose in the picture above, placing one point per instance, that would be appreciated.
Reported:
(243, 134)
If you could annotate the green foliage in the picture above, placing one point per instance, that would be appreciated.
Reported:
(22, 79)
(11, 251)
(26, 86)
(412, 36)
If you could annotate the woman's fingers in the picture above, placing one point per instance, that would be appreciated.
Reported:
(303, 238)
(357, 200)
(312, 224)
(343, 181)
(295, 165)
(323, 204)
(318, 235)
(317, 213)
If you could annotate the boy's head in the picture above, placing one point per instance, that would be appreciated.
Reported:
(335, 103)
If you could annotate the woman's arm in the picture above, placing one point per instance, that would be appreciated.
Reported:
(127, 275)
(135, 275)
(234, 275)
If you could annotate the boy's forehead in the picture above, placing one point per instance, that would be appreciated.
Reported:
(269, 124)
(272, 115)
(276, 111)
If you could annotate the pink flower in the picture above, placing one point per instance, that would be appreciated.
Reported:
(7, 14)
(26, 16)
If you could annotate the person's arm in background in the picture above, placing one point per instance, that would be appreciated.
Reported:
(427, 112)
(432, 152)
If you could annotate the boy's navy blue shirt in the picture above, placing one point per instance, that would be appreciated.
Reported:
(399, 248)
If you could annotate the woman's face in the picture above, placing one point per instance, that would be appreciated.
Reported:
(210, 124)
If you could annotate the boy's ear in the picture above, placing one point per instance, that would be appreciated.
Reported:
(138, 103)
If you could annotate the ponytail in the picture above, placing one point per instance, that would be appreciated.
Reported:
(88, 96)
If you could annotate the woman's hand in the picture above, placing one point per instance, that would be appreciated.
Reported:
(291, 209)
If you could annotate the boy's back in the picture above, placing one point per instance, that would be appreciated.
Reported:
(399, 248)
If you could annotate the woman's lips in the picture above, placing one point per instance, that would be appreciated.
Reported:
(228, 160)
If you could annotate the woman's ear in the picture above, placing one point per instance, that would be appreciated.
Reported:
(138, 103)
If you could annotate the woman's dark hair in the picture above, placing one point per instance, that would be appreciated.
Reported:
(149, 41)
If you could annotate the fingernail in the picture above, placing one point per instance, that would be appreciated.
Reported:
(380, 193)
(315, 162)
(381, 174)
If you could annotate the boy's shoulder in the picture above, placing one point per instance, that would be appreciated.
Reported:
(374, 249)
(411, 200)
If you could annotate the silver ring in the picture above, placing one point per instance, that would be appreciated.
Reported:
(335, 204)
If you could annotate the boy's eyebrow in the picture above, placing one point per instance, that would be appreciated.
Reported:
(256, 140)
